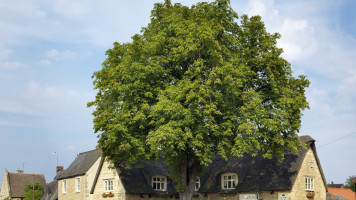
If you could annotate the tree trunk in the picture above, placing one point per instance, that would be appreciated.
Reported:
(189, 176)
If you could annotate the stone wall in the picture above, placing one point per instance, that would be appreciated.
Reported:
(108, 172)
(4, 191)
(89, 178)
(311, 169)
(71, 193)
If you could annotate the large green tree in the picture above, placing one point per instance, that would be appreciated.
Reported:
(33, 191)
(351, 183)
(194, 84)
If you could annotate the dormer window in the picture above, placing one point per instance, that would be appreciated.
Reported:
(228, 181)
(159, 183)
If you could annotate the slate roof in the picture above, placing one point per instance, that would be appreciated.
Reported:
(81, 164)
(50, 191)
(257, 173)
(18, 181)
(253, 173)
(131, 178)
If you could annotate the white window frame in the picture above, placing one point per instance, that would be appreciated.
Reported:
(64, 186)
(159, 183)
(77, 185)
(197, 184)
(109, 185)
(309, 183)
(229, 181)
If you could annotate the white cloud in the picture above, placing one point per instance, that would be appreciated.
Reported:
(58, 56)
(11, 65)
(54, 100)
(52, 53)
(68, 54)
(44, 62)
(71, 9)
(13, 106)
(5, 52)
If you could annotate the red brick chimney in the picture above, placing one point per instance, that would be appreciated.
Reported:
(59, 169)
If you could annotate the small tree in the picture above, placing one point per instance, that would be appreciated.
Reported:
(351, 182)
(196, 84)
(30, 190)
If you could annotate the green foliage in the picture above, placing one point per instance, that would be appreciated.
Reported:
(351, 182)
(28, 191)
(195, 83)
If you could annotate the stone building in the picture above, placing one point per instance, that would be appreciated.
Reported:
(299, 176)
(13, 184)
(75, 182)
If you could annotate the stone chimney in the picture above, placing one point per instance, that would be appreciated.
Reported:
(19, 171)
(59, 169)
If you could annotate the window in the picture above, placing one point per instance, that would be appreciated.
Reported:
(197, 184)
(77, 184)
(159, 183)
(228, 181)
(64, 186)
(309, 183)
(109, 185)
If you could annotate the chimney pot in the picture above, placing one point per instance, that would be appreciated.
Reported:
(59, 169)
(19, 171)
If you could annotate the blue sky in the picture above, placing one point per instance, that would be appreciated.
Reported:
(50, 49)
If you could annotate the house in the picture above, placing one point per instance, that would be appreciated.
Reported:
(13, 184)
(75, 182)
(299, 176)
(334, 185)
(343, 192)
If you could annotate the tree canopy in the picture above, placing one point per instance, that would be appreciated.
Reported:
(351, 183)
(196, 83)
(30, 190)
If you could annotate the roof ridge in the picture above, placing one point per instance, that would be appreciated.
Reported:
(25, 173)
(87, 151)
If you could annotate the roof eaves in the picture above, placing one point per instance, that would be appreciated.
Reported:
(97, 174)
(8, 183)
(319, 165)
(67, 177)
